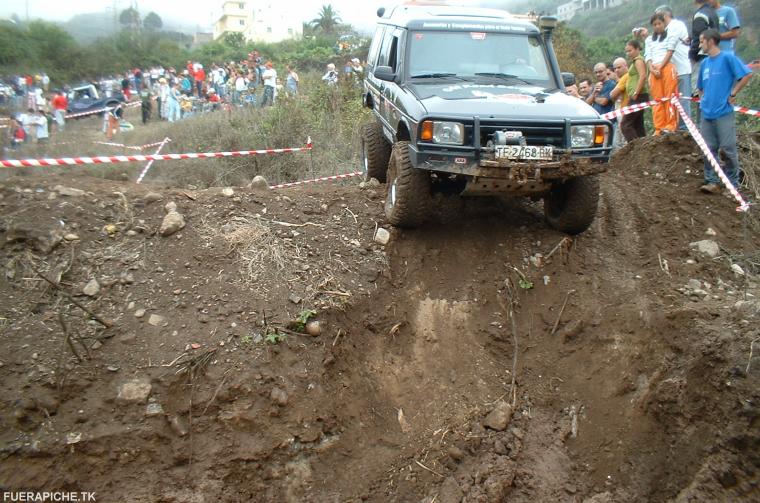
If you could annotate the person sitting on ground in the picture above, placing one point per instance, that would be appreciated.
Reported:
(331, 76)
(722, 75)
(663, 79)
(18, 135)
(214, 99)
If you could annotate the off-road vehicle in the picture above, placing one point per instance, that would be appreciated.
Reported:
(471, 101)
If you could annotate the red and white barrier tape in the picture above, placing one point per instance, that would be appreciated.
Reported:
(147, 166)
(100, 110)
(131, 147)
(69, 161)
(643, 106)
(315, 180)
(743, 205)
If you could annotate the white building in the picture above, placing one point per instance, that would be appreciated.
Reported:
(258, 21)
(566, 11)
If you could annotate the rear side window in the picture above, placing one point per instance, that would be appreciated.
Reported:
(374, 48)
(389, 49)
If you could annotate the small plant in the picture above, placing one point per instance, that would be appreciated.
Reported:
(273, 336)
(302, 319)
(246, 339)
(525, 284)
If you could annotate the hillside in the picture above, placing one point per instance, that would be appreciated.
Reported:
(628, 370)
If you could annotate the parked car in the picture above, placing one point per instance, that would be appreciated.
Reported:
(86, 98)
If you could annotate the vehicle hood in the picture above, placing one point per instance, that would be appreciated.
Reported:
(468, 99)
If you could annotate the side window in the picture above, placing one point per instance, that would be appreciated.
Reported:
(374, 48)
(393, 53)
(385, 48)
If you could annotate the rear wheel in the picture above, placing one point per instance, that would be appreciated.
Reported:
(375, 152)
(571, 205)
(408, 196)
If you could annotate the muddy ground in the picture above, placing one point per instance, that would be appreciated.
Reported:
(625, 373)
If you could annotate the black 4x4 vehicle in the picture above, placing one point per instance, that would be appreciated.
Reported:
(472, 101)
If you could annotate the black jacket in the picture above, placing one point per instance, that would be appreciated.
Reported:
(704, 18)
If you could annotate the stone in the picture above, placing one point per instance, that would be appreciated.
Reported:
(73, 438)
(157, 320)
(711, 232)
(694, 284)
(382, 236)
(313, 328)
(228, 192)
(154, 409)
(71, 237)
(373, 182)
(96, 345)
(706, 247)
(92, 288)
(152, 197)
(140, 313)
(170, 206)
(42, 236)
(455, 453)
(134, 391)
(127, 338)
(259, 183)
(179, 425)
(279, 396)
(737, 269)
(295, 299)
(126, 278)
(498, 419)
(450, 492)
(571, 330)
(68, 191)
(173, 222)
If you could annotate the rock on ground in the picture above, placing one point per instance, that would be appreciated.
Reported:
(173, 222)
(134, 391)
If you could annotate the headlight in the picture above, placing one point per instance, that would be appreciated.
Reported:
(581, 136)
(450, 133)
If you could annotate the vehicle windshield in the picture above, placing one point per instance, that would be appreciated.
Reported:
(509, 58)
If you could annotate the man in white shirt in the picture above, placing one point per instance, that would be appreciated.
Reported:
(269, 77)
(677, 44)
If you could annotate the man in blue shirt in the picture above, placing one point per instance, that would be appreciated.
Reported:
(721, 76)
(728, 25)
(599, 98)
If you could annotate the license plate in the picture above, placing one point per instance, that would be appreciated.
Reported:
(525, 152)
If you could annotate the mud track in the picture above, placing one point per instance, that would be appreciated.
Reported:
(622, 381)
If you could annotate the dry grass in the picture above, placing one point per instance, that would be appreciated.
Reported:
(259, 249)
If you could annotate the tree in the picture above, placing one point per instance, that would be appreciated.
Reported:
(327, 20)
(153, 22)
(130, 18)
(236, 40)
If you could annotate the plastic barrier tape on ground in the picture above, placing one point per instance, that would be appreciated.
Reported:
(131, 147)
(147, 166)
(315, 180)
(643, 106)
(106, 109)
(743, 205)
(69, 161)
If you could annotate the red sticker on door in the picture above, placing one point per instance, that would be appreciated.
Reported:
(477, 36)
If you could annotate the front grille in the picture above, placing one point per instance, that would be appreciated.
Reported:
(537, 134)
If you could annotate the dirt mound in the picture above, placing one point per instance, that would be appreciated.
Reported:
(485, 357)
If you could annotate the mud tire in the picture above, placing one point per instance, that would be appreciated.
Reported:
(408, 190)
(571, 205)
(375, 152)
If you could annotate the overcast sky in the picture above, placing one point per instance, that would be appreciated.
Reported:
(359, 13)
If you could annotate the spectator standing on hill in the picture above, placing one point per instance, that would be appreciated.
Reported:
(663, 80)
(200, 77)
(163, 98)
(125, 87)
(241, 85)
(632, 125)
(704, 18)
(677, 44)
(146, 102)
(722, 76)
(292, 80)
(584, 89)
(60, 104)
(39, 120)
(269, 78)
(331, 76)
(599, 98)
(186, 84)
(619, 97)
(728, 25)
(173, 105)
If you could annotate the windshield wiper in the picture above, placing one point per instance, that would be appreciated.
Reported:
(433, 75)
(503, 76)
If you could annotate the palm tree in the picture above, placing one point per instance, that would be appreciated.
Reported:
(327, 20)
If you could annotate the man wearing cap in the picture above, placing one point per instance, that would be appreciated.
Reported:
(722, 75)
(677, 45)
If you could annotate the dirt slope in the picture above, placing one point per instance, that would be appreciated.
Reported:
(640, 392)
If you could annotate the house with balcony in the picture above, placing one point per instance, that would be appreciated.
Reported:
(568, 10)
(262, 21)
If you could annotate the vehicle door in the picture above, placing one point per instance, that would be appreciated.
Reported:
(389, 56)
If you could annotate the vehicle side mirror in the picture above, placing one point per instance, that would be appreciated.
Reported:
(385, 73)
(568, 79)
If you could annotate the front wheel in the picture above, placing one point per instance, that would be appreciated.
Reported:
(571, 205)
(375, 152)
(408, 196)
